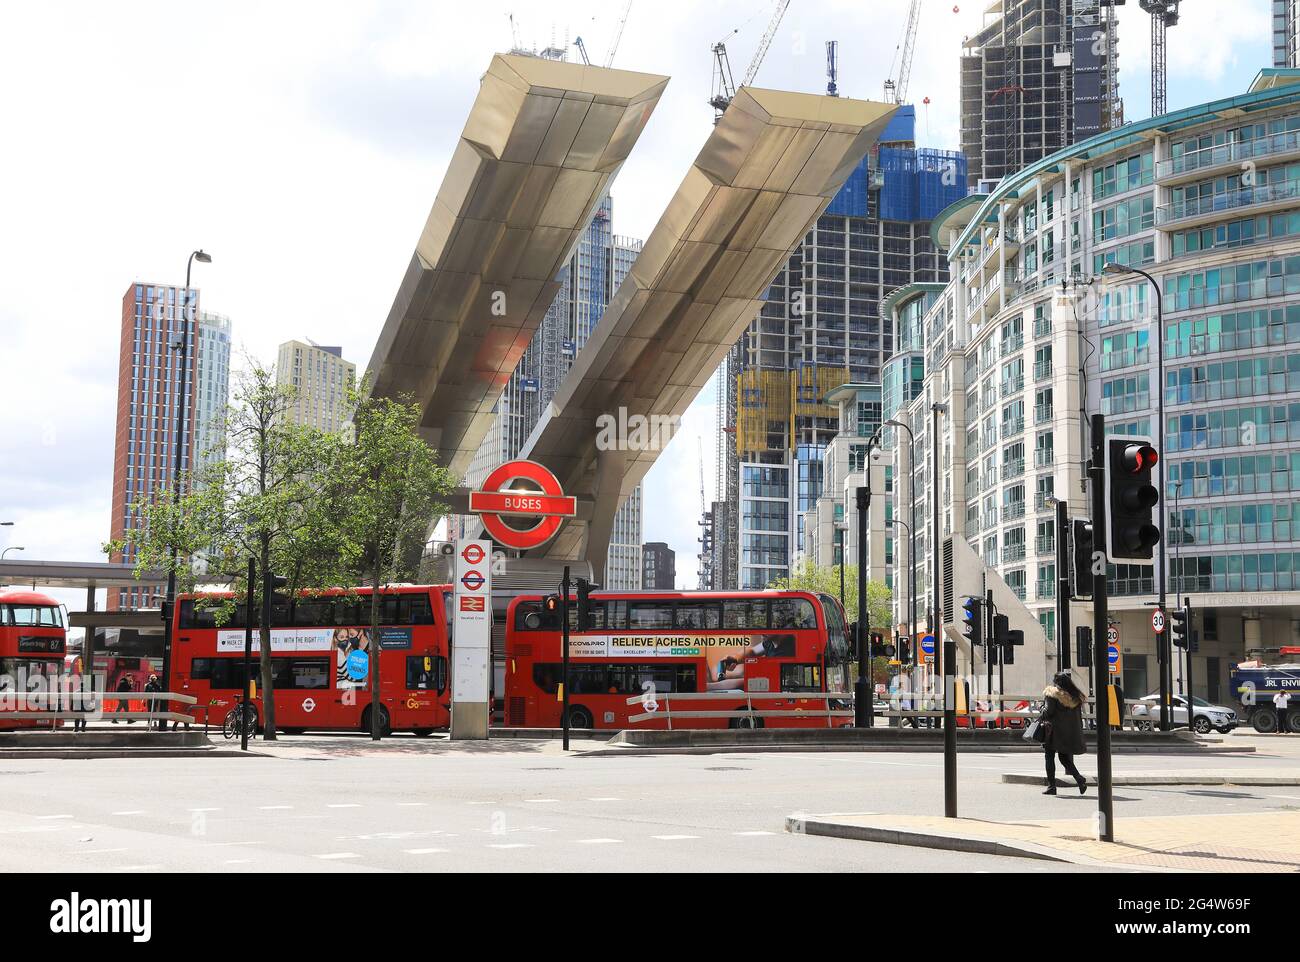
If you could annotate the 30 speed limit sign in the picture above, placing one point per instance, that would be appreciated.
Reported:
(1158, 621)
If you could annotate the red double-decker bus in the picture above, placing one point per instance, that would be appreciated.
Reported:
(33, 641)
(659, 643)
(320, 656)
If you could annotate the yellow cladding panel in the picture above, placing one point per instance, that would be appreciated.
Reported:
(770, 403)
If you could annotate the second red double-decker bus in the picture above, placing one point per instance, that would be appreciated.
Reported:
(320, 656)
(33, 641)
(675, 642)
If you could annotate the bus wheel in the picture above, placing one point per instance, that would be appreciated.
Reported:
(747, 721)
(579, 717)
(385, 723)
(422, 732)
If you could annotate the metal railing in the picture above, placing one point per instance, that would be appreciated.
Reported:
(663, 706)
(1229, 154)
(61, 706)
(1228, 201)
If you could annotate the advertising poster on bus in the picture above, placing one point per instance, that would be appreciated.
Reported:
(725, 654)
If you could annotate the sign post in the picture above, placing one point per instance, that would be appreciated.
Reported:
(472, 640)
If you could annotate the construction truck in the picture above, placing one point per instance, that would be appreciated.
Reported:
(1255, 684)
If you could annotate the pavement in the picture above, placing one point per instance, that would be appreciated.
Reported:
(340, 803)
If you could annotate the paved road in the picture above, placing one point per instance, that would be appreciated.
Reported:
(336, 804)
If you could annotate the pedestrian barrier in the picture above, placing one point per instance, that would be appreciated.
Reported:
(152, 713)
(748, 713)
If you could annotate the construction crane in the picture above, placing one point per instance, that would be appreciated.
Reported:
(582, 49)
(832, 68)
(1164, 14)
(724, 87)
(705, 557)
(618, 35)
(896, 85)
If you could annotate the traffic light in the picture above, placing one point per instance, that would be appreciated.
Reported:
(584, 603)
(1131, 531)
(1083, 645)
(1080, 558)
(1179, 621)
(274, 601)
(973, 624)
(551, 609)
(878, 647)
(904, 650)
(1015, 638)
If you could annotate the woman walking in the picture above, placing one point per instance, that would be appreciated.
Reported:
(1063, 718)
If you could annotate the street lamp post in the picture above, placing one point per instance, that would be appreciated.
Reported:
(7, 550)
(180, 420)
(1163, 647)
(863, 690)
(911, 535)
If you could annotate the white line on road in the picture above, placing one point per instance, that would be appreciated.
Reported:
(203, 809)
(752, 834)
(271, 808)
(139, 868)
(424, 851)
(54, 816)
(673, 838)
(533, 800)
(238, 861)
(605, 798)
(330, 855)
(410, 804)
(511, 845)
(134, 811)
(600, 841)
(1294, 798)
(344, 805)
(100, 851)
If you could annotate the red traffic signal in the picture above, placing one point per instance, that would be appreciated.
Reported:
(1131, 530)
(1138, 458)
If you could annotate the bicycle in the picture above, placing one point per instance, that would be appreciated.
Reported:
(241, 718)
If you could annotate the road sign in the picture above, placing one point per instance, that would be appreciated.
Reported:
(927, 644)
(472, 654)
(472, 579)
(522, 489)
(1114, 655)
(473, 553)
(1158, 621)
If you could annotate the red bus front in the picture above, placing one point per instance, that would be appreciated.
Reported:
(664, 643)
(320, 657)
(33, 642)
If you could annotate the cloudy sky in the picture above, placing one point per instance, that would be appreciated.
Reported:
(301, 143)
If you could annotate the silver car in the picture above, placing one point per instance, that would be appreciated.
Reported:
(1206, 717)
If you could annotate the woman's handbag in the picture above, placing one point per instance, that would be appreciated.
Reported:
(1038, 731)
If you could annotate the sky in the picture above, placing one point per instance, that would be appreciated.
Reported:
(302, 143)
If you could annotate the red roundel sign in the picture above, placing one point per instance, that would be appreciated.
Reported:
(522, 489)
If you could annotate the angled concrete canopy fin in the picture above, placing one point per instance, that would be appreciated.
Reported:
(539, 149)
(766, 173)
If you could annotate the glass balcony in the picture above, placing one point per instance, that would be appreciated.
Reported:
(1014, 468)
(1229, 155)
(1044, 590)
(1045, 544)
(1044, 457)
(1012, 510)
(1013, 385)
(1012, 344)
(1043, 327)
(1013, 552)
(1042, 413)
(1012, 427)
(1209, 208)
(1042, 369)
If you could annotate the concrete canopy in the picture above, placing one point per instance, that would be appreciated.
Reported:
(539, 149)
(768, 170)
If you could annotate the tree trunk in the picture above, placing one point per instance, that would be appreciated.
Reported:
(264, 658)
(374, 652)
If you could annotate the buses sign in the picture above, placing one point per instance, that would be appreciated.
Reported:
(539, 497)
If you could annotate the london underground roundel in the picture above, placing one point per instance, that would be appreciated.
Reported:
(525, 491)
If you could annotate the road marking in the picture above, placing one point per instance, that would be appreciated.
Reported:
(134, 811)
(673, 838)
(139, 868)
(511, 845)
(203, 809)
(54, 816)
(410, 804)
(270, 808)
(751, 834)
(605, 798)
(533, 800)
(238, 861)
(600, 841)
(330, 855)
(424, 851)
(1294, 798)
(344, 805)
(100, 851)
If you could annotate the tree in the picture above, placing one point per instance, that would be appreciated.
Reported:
(272, 497)
(391, 490)
(809, 577)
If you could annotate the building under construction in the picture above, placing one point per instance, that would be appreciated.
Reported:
(820, 328)
(1039, 76)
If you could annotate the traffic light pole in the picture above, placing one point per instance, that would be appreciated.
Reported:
(248, 652)
(564, 656)
(1187, 661)
(1062, 587)
(1100, 623)
(863, 691)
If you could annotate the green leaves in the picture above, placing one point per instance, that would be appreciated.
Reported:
(808, 577)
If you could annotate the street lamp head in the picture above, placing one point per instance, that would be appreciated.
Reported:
(203, 257)
(6, 524)
(1114, 269)
(894, 423)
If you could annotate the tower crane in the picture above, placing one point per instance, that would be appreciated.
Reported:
(724, 87)
(582, 49)
(832, 68)
(618, 35)
(1164, 13)
(896, 85)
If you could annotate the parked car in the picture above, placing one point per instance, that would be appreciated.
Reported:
(1206, 717)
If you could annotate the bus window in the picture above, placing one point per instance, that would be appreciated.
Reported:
(744, 613)
(801, 678)
(691, 614)
(34, 616)
(595, 615)
(793, 613)
(426, 673)
(649, 614)
(416, 610)
(837, 646)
